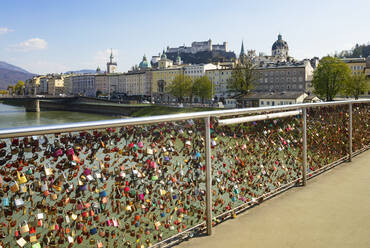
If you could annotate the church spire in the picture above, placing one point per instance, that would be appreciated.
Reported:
(111, 55)
(242, 53)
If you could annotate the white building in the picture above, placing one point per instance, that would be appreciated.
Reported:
(219, 79)
(195, 71)
(84, 85)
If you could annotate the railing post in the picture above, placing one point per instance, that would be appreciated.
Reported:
(208, 176)
(350, 132)
(304, 159)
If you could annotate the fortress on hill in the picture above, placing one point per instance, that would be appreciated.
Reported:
(198, 46)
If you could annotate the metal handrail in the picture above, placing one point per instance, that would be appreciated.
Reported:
(83, 126)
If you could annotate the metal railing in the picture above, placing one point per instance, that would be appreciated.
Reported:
(153, 180)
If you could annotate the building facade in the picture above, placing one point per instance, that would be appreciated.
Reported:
(84, 85)
(137, 83)
(278, 77)
(262, 99)
(357, 65)
(108, 84)
(32, 85)
(68, 85)
(196, 71)
(219, 79)
(161, 79)
(55, 85)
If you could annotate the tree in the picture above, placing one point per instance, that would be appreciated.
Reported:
(4, 92)
(19, 87)
(329, 77)
(202, 87)
(242, 78)
(356, 84)
(98, 93)
(180, 87)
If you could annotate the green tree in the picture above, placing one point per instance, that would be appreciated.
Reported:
(242, 78)
(98, 93)
(356, 84)
(19, 87)
(180, 87)
(329, 77)
(202, 87)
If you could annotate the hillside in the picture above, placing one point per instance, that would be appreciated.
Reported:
(10, 74)
(203, 57)
(358, 51)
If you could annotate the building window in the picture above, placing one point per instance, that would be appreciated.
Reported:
(262, 103)
(268, 103)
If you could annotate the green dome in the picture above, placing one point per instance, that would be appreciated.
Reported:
(144, 63)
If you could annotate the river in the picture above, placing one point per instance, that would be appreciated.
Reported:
(15, 116)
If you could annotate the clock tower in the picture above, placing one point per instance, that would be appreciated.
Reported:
(111, 66)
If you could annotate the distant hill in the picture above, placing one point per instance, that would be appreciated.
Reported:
(10, 75)
(84, 71)
(203, 57)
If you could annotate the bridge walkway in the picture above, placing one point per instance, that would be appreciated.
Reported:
(333, 210)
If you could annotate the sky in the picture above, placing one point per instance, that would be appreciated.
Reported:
(49, 36)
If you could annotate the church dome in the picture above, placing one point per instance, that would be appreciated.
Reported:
(144, 63)
(280, 44)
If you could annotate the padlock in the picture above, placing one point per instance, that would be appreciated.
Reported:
(33, 238)
(18, 202)
(6, 202)
(48, 171)
(24, 227)
(14, 187)
(21, 242)
(21, 178)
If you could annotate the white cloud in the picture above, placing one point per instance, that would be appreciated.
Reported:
(5, 30)
(30, 45)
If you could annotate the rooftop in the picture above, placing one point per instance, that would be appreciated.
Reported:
(272, 95)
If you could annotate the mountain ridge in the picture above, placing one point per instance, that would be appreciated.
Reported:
(11, 74)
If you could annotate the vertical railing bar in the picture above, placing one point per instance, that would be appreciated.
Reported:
(208, 176)
(350, 132)
(304, 159)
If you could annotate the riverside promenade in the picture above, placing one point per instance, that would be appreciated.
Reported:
(333, 210)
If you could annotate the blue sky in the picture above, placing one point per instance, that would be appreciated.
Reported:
(55, 36)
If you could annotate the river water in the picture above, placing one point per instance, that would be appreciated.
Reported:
(15, 116)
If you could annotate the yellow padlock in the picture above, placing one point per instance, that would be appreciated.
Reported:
(21, 178)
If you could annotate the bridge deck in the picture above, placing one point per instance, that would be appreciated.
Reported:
(333, 210)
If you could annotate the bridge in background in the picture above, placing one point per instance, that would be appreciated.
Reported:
(71, 103)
